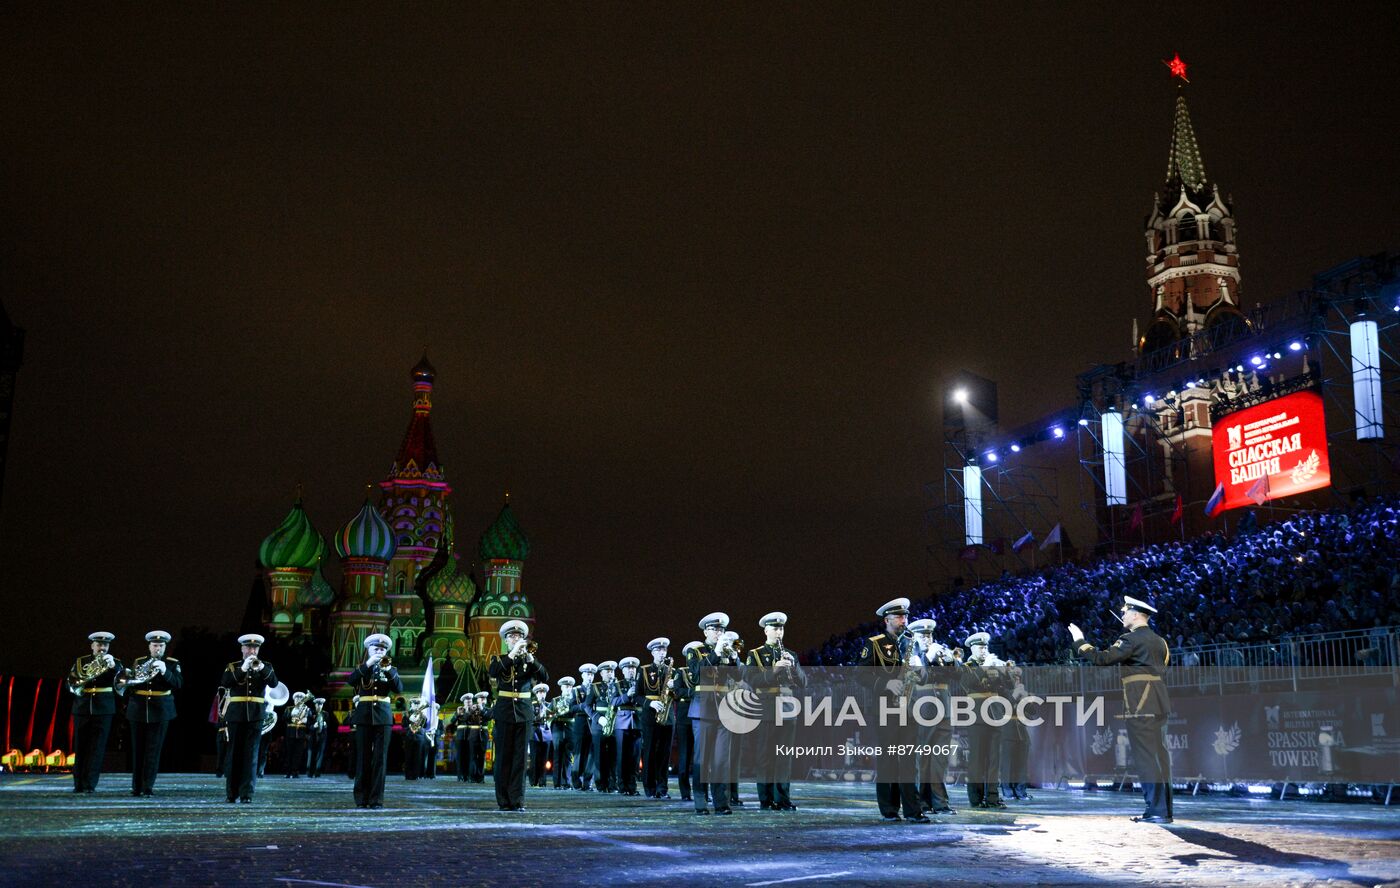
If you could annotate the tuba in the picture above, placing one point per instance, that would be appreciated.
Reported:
(273, 697)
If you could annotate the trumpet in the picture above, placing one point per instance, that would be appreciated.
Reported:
(254, 664)
(735, 648)
(385, 663)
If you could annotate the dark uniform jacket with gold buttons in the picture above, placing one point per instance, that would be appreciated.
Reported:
(1141, 656)
(152, 701)
(376, 689)
(515, 682)
(883, 658)
(712, 679)
(246, 691)
(655, 681)
(97, 697)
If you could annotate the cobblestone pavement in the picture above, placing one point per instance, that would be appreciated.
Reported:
(442, 832)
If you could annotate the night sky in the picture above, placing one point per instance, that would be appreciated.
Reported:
(691, 279)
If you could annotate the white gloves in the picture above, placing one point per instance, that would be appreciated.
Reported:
(248, 665)
(1076, 633)
(895, 686)
(602, 720)
(159, 667)
(657, 705)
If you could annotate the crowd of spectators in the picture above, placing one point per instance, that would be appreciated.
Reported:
(1313, 572)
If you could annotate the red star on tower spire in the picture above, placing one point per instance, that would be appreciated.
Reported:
(1177, 66)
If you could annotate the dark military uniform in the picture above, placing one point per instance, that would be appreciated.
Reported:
(415, 744)
(933, 768)
(1142, 656)
(984, 739)
(317, 737)
(93, 709)
(459, 742)
(883, 658)
(149, 710)
(581, 739)
(373, 719)
(246, 695)
(296, 737)
(541, 741)
(476, 741)
(770, 683)
(627, 700)
(1015, 750)
(684, 689)
(513, 713)
(656, 736)
(561, 729)
(597, 703)
(713, 742)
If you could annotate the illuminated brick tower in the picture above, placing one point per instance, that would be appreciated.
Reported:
(290, 556)
(415, 506)
(504, 548)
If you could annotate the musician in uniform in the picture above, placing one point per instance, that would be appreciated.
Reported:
(294, 740)
(599, 706)
(626, 700)
(150, 709)
(318, 735)
(736, 741)
(984, 677)
(942, 672)
(890, 661)
(476, 735)
(713, 666)
(562, 727)
(541, 735)
(459, 738)
(774, 673)
(216, 716)
(375, 682)
(657, 719)
(684, 689)
(515, 672)
(245, 683)
(93, 681)
(581, 731)
(414, 740)
(1015, 742)
(1142, 657)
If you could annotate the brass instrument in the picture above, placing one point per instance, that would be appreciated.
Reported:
(95, 667)
(606, 719)
(416, 721)
(298, 715)
(144, 671)
(273, 697)
(910, 675)
(385, 663)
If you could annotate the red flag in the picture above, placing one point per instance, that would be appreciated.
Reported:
(968, 553)
(1176, 514)
(1136, 521)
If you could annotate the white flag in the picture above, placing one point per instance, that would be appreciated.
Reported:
(1051, 538)
(1259, 490)
(430, 697)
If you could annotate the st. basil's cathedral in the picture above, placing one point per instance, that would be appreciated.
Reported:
(402, 574)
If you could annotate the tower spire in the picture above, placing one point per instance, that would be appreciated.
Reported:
(1184, 164)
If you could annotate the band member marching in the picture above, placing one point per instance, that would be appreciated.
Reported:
(414, 739)
(541, 735)
(1015, 741)
(601, 713)
(562, 728)
(297, 735)
(774, 674)
(581, 731)
(317, 738)
(943, 670)
(476, 736)
(626, 733)
(150, 708)
(713, 666)
(983, 677)
(245, 682)
(459, 738)
(657, 719)
(732, 642)
(375, 682)
(684, 689)
(1142, 657)
(93, 680)
(515, 672)
(891, 662)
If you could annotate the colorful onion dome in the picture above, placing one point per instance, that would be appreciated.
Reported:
(367, 535)
(295, 543)
(504, 538)
(451, 584)
(319, 593)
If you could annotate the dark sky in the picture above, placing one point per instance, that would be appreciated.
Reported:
(691, 278)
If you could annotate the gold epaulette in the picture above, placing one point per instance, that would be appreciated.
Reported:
(171, 660)
(877, 637)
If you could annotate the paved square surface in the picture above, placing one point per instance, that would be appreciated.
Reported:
(442, 832)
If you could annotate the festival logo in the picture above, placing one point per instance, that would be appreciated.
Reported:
(1103, 740)
(1227, 742)
(1272, 450)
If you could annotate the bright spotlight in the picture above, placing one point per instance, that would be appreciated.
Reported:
(1295, 346)
(1015, 448)
(991, 456)
(960, 396)
(1256, 360)
(1084, 422)
(1057, 432)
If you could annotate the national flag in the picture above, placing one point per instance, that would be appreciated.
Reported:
(1259, 490)
(1136, 520)
(1051, 538)
(430, 697)
(968, 553)
(1023, 542)
(1177, 512)
(1216, 499)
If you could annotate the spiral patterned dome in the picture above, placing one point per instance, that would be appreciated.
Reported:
(504, 538)
(367, 535)
(451, 584)
(295, 543)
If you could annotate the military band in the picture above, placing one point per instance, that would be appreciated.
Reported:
(657, 719)
(541, 736)
(317, 737)
(984, 676)
(562, 730)
(515, 674)
(714, 665)
(684, 689)
(585, 749)
(92, 680)
(598, 704)
(774, 674)
(245, 683)
(942, 669)
(150, 708)
(893, 669)
(296, 737)
(458, 727)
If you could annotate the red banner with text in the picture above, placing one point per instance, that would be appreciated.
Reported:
(1272, 450)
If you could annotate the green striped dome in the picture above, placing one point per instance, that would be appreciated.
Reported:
(451, 585)
(367, 535)
(319, 593)
(504, 538)
(295, 543)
